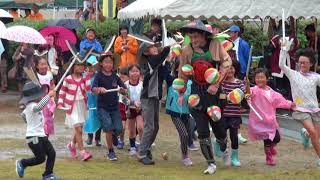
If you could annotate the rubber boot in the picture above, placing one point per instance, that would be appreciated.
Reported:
(234, 158)
(273, 149)
(269, 156)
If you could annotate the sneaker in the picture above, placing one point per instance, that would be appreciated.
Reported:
(50, 177)
(137, 142)
(187, 161)
(98, 143)
(193, 147)
(19, 169)
(89, 142)
(212, 168)
(149, 154)
(241, 139)
(305, 138)
(146, 161)
(72, 150)
(318, 163)
(85, 155)
(226, 158)
(120, 144)
(132, 151)
(112, 156)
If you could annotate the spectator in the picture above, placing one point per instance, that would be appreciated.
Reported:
(35, 15)
(126, 47)
(27, 13)
(14, 13)
(89, 42)
(3, 67)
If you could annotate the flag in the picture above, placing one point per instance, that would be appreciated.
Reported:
(109, 8)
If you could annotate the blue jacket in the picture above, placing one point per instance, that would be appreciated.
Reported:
(243, 55)
(172, 106)
(85, 44)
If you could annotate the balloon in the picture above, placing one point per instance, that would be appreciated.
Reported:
(211, 76)
(235, 96)
(178, 84)
(193, 100)
(214, 112)
(187, 70)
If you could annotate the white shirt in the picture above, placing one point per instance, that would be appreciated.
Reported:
(44, 79)
(134, 91)
(34, 118)
(236, 47)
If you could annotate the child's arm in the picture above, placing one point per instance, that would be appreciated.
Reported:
(281, 102)
(87, 82)
(62, 93)
(133, 46)
(282, 63)
(117, 46)
(44, 101)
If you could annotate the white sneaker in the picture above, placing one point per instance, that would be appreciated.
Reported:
(241, 139)
(133, 151)
(226, 158)
(318, 163)
(211, 169)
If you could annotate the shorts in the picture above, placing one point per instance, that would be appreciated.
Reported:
(122, 108)
(231, 122)
(133, 113)
(110, 120)
(302, 116)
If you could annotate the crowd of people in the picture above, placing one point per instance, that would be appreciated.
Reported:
(101, 95)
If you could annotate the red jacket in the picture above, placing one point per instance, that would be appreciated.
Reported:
(68, 91)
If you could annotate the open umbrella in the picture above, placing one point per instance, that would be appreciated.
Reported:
(5, 16)
(60, 34)
(23, 34)
(67, 23)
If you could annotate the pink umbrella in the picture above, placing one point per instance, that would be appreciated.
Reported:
(61, 34)
(23, 34)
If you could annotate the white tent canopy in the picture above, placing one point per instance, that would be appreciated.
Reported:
(219, 9)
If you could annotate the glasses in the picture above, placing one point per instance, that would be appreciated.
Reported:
(303, 63)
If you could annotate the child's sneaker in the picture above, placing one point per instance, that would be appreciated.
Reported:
(193, 147)
(72, 150)
(187, 161)
(120, 144)
(305, 138)
(132, 151)
(241, 139)
(85, 155)
(211, 169)
(98, 143)
(112, 156)
(19, 169)
(226, 158)
(318, 163)
(89, 142)
(50, 177)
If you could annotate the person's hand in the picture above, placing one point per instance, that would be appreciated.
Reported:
(213, 89)
(293, 105)
(52, 93)
(137, 104)
(123, 91)
(286, 44)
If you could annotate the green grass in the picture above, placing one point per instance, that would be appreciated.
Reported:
(124, 169)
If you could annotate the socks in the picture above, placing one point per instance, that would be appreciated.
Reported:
(132, 142)
(111, 151)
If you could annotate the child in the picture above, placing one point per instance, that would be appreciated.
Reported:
(304, 85)
(150, 102)
(180, 117)
(231, 113)
(123, 74)
(37, 140)
(73, 97)
(92, 124)
(265, 101)
(108, 102)
(46, 78)
(89, 42)
(135, 122)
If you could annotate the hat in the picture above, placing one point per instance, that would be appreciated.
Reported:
(234, 28)
(91, 29)
(196, 25)
(92, 60)
(31, 92)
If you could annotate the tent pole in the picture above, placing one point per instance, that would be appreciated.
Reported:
(97, 10)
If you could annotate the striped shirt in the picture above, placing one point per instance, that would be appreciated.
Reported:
(232, 110)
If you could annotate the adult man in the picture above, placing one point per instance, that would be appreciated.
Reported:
(202, 54)
(241, 48)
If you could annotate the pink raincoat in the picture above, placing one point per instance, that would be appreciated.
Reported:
(48, 115)
(266, 107)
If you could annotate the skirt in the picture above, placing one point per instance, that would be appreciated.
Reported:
(78, 115)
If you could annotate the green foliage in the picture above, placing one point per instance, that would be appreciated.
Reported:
(256, 38)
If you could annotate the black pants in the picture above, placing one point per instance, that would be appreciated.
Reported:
(233, 124)
(269, 142)
(40, 150)
(97, 135)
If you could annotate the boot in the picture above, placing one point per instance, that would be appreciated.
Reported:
(226, 158)
(273, 149)
(216, 148)
(234, 158)
(269, 156)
